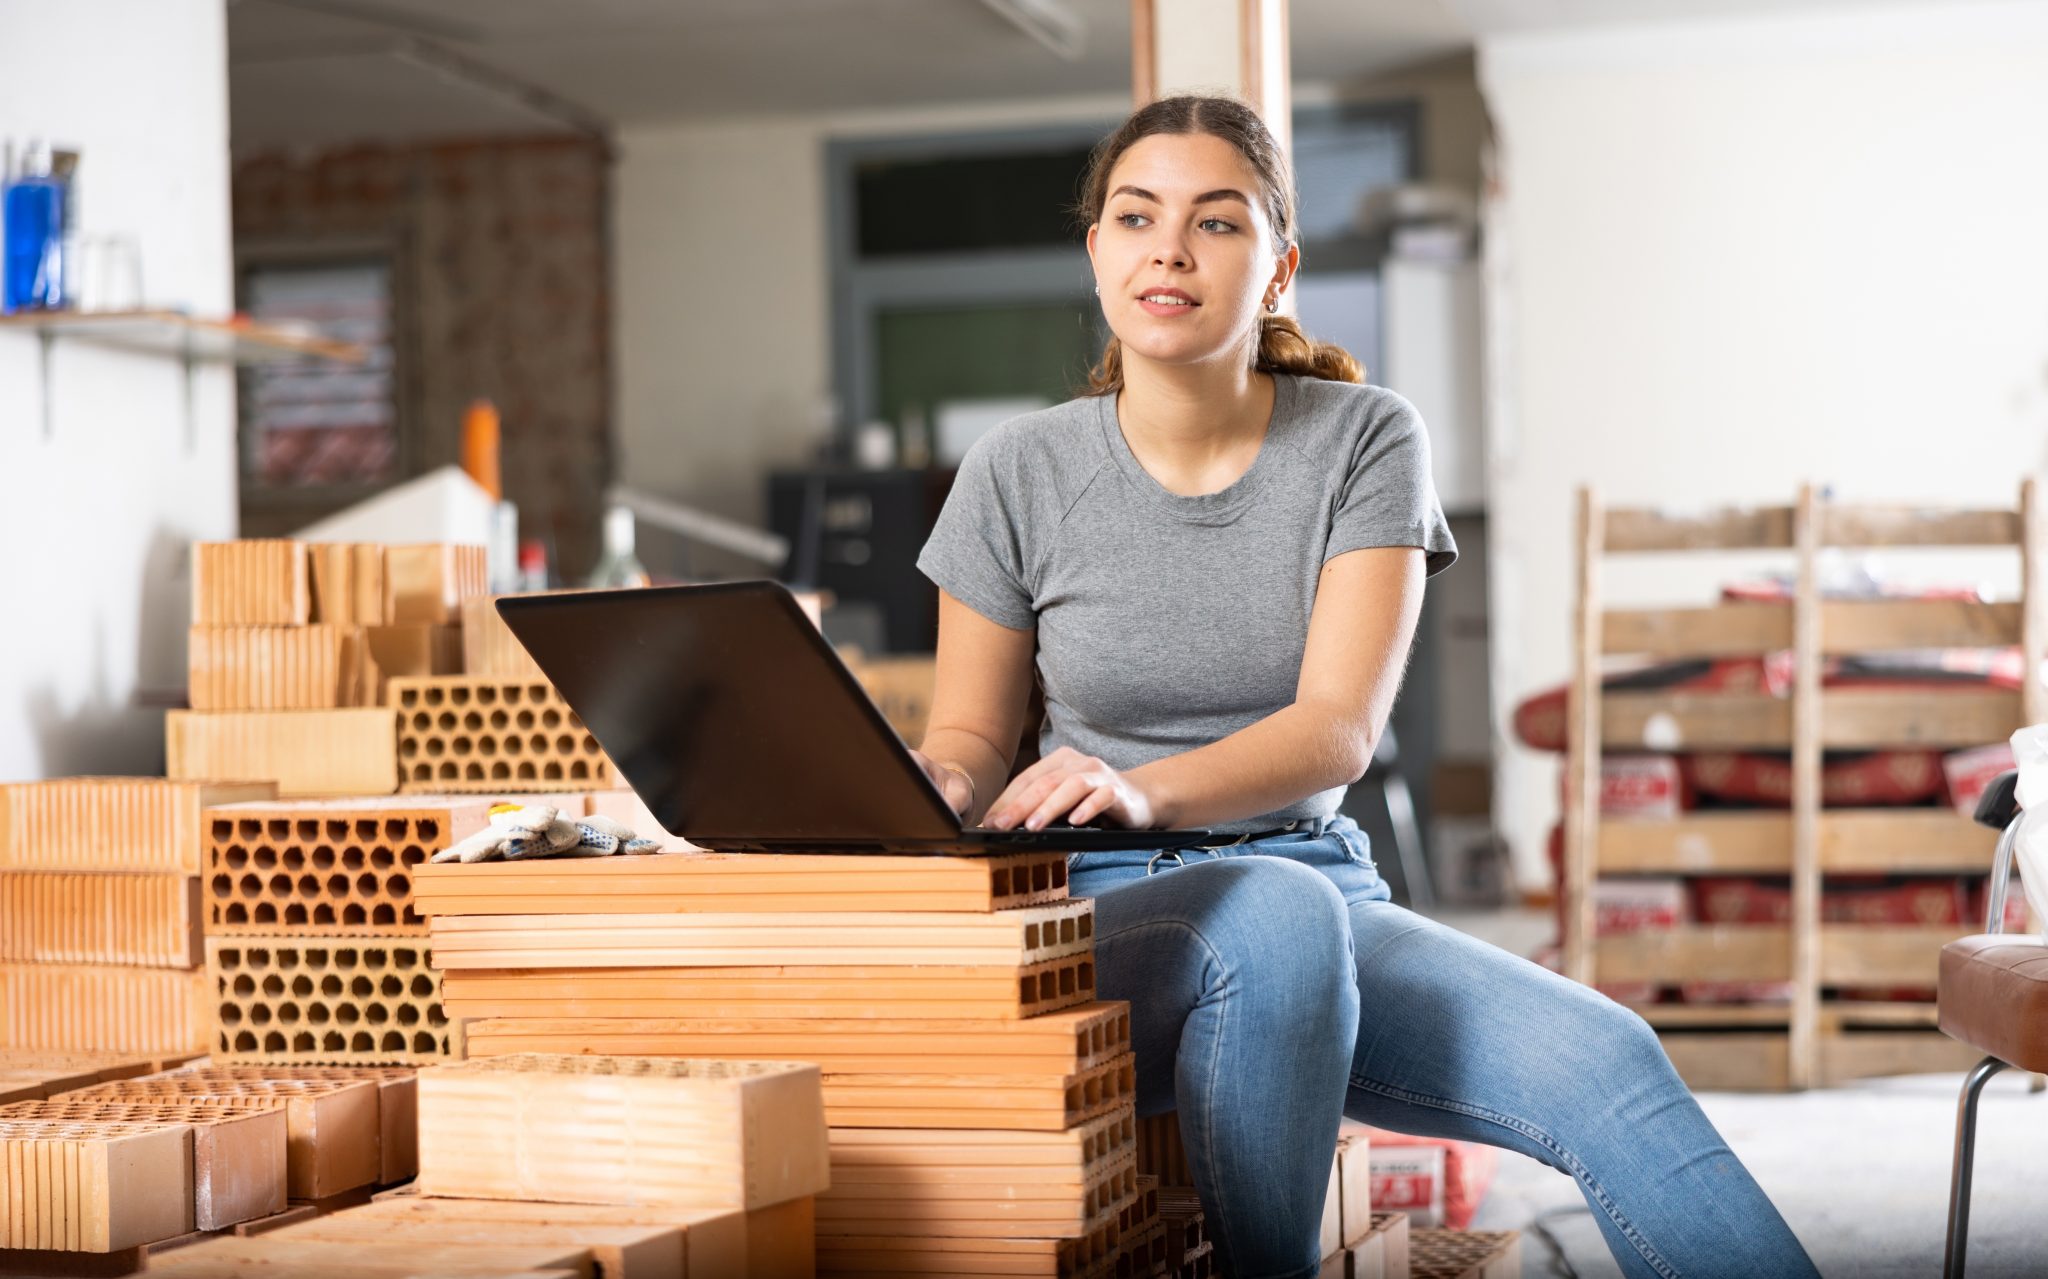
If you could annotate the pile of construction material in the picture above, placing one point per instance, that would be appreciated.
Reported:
(626, 1168)
(979, 1097)
(100, 913)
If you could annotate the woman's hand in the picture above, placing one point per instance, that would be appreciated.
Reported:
(959, 792)
(1067, 784)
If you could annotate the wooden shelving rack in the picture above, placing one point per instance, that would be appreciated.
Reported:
(1809, 1042)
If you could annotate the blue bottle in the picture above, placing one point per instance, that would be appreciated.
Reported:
(32, 211)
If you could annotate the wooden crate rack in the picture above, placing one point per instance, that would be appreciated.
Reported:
(1808, 1042)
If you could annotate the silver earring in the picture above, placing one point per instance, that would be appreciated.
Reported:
(1098, 290)
(1272, 305)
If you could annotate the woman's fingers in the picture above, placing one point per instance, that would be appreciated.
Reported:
(1071, 790)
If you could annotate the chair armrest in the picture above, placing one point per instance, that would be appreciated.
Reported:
(1999, 803)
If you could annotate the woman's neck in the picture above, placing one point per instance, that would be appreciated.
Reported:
(1195, 428)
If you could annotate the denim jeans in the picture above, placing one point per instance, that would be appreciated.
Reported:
(1273, 986)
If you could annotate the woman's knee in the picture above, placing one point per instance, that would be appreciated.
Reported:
(1282, 920)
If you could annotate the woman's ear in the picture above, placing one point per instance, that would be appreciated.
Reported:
(1093, 227)
(1284, 268)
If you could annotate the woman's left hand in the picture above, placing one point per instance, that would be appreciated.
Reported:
(1071, 786)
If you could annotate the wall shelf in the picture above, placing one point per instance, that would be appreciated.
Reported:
(189, 339)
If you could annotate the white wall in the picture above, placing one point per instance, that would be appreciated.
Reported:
(1730, 256)
(94, 527)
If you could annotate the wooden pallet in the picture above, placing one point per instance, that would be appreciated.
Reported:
(623, 1130)
(326, 1000)
(1807, 843)
(93, 917)
(1071, 1040)
(237, 1156)
(112, 823)
(742, 882)
(760, 993)
(1026, 936)
(332, 867)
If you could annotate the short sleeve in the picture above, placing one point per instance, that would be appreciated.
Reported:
(1388, 493)
(976, 550)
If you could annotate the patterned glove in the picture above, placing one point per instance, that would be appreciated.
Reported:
(519, 833)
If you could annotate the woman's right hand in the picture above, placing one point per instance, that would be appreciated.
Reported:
(958, 792)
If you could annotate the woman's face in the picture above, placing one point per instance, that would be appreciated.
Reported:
(1184, 259)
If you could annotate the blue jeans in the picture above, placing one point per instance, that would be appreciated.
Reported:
(1274, 987)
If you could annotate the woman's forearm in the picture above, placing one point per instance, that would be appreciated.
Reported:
(974, 755)
(1282, 759)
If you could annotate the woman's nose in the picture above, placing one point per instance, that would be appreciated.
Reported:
(1170, 251)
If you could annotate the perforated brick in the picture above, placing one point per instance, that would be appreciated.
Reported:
(459, 733)
(102, 1008)
(263, 668)
(347, 1001)
(1464, 1254)
(112, 823)
(325, 869)
(93, 1185)
(1035, 1102)
(238, 1156)
(1160, 1153)
(346, 751)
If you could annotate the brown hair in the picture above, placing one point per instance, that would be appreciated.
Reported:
(1283, 347)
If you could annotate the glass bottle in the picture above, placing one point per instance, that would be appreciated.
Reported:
(618, 566)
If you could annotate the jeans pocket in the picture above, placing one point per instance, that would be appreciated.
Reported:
(1357, 845)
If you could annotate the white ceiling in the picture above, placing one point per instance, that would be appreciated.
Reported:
(317, 71)
(323, 70)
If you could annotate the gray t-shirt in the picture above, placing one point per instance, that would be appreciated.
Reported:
(1167, 622)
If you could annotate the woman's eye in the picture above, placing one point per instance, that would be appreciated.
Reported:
(1126, 219)
(1217, 224)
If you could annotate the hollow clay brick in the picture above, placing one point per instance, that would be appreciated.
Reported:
(488, 646)
(348, 583)
(238, 1156)
(429, 581)
(102, 1008)
(112, 823)
(333, 1128)
(740, 882)
(1160, 1152)
(278, 668)
(1464, 1254)
(1033, 1102)
(628, 1130)
(341, 1000)
(1060, 1042)
(90, 917)
(93, 1185)
(272, 1256)
(250, 583)
(874, 993)
(351, 751)
(413, 651)
(333, 868)
(1030, 935)
(463, 733)
(1091, 1256)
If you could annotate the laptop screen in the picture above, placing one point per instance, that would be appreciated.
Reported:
(729, 714)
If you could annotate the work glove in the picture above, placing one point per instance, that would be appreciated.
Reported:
(540, 830)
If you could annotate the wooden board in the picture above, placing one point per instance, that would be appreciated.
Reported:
(742, 882)
(1743, 628)
(1850, 954)
(1851, 719)
(622, 1130)
(1733, 528)
(1066, 1041)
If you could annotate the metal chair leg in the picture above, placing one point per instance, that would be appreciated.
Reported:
(1966, 1153)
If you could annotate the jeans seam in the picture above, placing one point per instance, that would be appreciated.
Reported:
(1579, 1170)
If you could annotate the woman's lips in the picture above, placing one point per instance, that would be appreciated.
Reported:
(1168, 308)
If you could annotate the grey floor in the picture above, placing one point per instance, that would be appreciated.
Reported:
(1860, 1173)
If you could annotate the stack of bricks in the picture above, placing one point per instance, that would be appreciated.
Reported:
(100, 919)
(315, 952)
(979, 1097)
(121, 1164)
(291, 646)
(648, 1169)
(1357, 1243)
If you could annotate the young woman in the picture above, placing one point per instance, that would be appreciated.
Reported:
(1213, 563)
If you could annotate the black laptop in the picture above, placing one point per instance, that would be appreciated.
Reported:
(742, 731)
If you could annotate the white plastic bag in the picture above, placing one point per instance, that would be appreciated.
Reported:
(2030, 849)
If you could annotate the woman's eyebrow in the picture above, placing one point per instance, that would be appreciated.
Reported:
(1207, 197)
